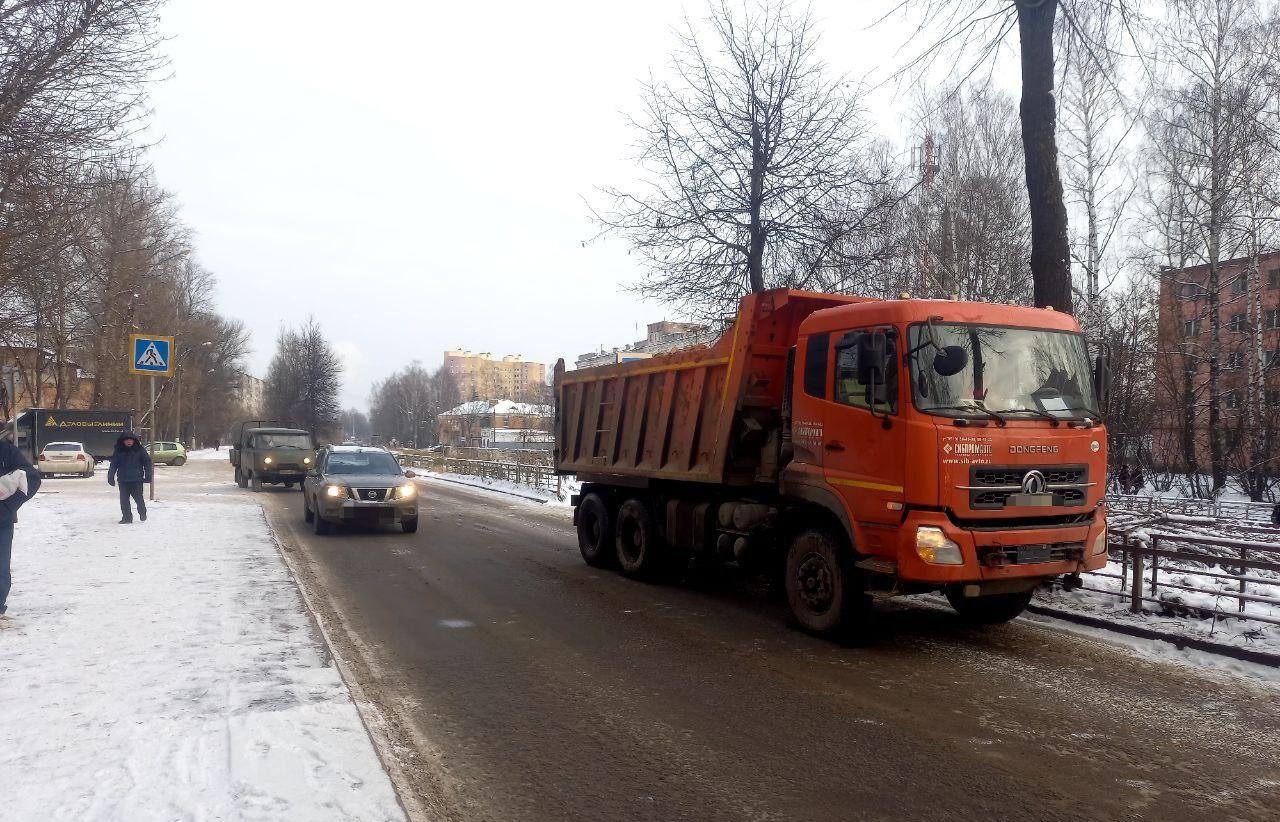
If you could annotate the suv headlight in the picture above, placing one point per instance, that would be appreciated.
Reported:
(334, 491)
(406, 491)
(933, 547)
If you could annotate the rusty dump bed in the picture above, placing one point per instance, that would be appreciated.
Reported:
(699, 415)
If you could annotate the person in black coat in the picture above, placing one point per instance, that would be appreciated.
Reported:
(131, 467)
(11, 459)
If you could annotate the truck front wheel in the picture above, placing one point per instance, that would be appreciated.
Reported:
(595, 532)
(641, 553)
(993, 609)
(824, 591)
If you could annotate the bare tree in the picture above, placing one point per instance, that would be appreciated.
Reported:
(304, 379)
(1213, 103)
(753, 157)
(407, 405)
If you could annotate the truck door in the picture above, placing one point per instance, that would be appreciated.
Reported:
(864, 439)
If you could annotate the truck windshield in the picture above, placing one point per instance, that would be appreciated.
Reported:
(282, 441)
(1020, 373)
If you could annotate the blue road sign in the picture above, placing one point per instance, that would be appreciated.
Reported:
(151, 354)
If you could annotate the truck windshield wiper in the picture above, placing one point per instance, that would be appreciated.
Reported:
(1045, 414)
(975, 406)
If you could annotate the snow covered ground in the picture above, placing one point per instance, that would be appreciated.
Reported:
(169, 670)
(528, 492)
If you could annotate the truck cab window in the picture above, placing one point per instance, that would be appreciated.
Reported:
(853, 387)
(815, 365)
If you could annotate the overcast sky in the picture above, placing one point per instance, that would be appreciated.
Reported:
(414, 173)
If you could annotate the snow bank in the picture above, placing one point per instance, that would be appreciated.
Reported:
(168, 670)
(516, 489)
(222, 454)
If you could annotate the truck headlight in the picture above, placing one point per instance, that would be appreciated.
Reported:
(933, 547)
(306, 460)
(406, 491)
(334, 491)
(266, 460)
(1100, 542)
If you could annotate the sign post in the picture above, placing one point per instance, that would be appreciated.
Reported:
(151, 355)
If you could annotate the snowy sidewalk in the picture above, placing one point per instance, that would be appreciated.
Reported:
(169, 670)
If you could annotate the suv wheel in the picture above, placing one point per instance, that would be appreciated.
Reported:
(307, 514)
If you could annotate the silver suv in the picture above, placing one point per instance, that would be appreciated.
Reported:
(354, 484)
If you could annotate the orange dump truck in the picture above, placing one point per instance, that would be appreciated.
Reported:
(859, 446)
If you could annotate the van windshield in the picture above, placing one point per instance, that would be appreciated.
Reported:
(282, 441)
(1007, 372)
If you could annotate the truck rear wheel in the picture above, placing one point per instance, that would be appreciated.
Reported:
(993, 609)
(824, 590)
(640, 549)
(595, 532)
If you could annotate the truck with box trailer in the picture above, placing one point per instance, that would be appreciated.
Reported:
(855, 447)
(97, 430)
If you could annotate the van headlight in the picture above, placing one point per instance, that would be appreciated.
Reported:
(334, 491)
(306, 460)
(1100, 542)
(933, 547)
(266, 460)
(406, 491)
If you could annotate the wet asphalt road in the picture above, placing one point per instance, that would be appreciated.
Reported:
(513, 682)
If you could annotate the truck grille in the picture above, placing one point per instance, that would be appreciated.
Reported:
(990, 487)
(996, 556)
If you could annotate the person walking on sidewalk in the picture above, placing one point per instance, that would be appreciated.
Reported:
(19, 481)
(131, 467)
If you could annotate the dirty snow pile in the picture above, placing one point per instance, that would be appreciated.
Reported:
(168, 670)
(223, 454)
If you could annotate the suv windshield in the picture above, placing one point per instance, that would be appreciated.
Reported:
(372, 462)
(282, 441)
(1010, 372)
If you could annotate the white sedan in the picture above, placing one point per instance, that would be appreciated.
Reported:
(65, 458)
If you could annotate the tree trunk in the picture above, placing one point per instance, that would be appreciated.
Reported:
(755, 254)
(1050, 250)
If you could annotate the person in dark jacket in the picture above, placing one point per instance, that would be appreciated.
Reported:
(11, 459)
(131, 467)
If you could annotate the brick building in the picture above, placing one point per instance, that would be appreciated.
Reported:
(482, 377)
(19, 388)
(1184, 349)
(661, 338)
(479, 422)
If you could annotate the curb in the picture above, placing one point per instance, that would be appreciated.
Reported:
(1180, 642)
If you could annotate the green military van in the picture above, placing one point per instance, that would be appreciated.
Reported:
(265, 452)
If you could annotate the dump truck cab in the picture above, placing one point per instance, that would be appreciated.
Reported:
(959, 444)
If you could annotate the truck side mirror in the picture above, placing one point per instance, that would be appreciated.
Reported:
(873, 358)
(950, 360)
(1102, 380)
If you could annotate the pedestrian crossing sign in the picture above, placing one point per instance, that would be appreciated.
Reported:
(151, 355)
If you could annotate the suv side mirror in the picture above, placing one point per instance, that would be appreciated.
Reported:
(410, 474)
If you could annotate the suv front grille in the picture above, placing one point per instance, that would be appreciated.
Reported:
(991, 486)
(370, 494)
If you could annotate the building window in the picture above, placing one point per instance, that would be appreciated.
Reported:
(1235, 360)
(1238, 286)
(1273, 397)
(1237, 323)
(1232, 400)
(1273, 318)
(1189, 291)
(1273, 279)
(1191, 328)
